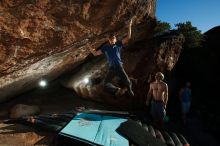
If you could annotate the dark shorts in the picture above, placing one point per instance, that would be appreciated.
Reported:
(157, 110)
(185, 107)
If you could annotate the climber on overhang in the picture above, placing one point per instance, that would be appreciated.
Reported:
(112, 51)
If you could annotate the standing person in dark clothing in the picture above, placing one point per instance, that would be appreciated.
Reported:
(185, 99)
(112, 51)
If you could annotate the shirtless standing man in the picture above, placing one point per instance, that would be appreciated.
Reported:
(159, 93)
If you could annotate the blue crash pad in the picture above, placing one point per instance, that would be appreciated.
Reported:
(97, 129)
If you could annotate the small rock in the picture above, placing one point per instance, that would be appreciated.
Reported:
(20, 110)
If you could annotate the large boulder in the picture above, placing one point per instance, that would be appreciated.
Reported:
(44, 39)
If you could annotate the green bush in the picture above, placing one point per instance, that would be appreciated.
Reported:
(193, 36)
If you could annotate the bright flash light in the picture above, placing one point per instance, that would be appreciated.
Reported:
(42, 83)
(86, 80)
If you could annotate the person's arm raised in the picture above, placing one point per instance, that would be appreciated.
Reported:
(128, 37)
(93, 51)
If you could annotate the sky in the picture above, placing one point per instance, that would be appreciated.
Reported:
(204, 14)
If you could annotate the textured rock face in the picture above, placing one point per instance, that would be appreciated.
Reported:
(49, 39)
(43, 39)
(33, 29)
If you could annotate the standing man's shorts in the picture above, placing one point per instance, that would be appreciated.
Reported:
(158, 110)
(185, 107)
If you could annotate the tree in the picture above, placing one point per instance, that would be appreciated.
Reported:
(162, 26)
(193, 36)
